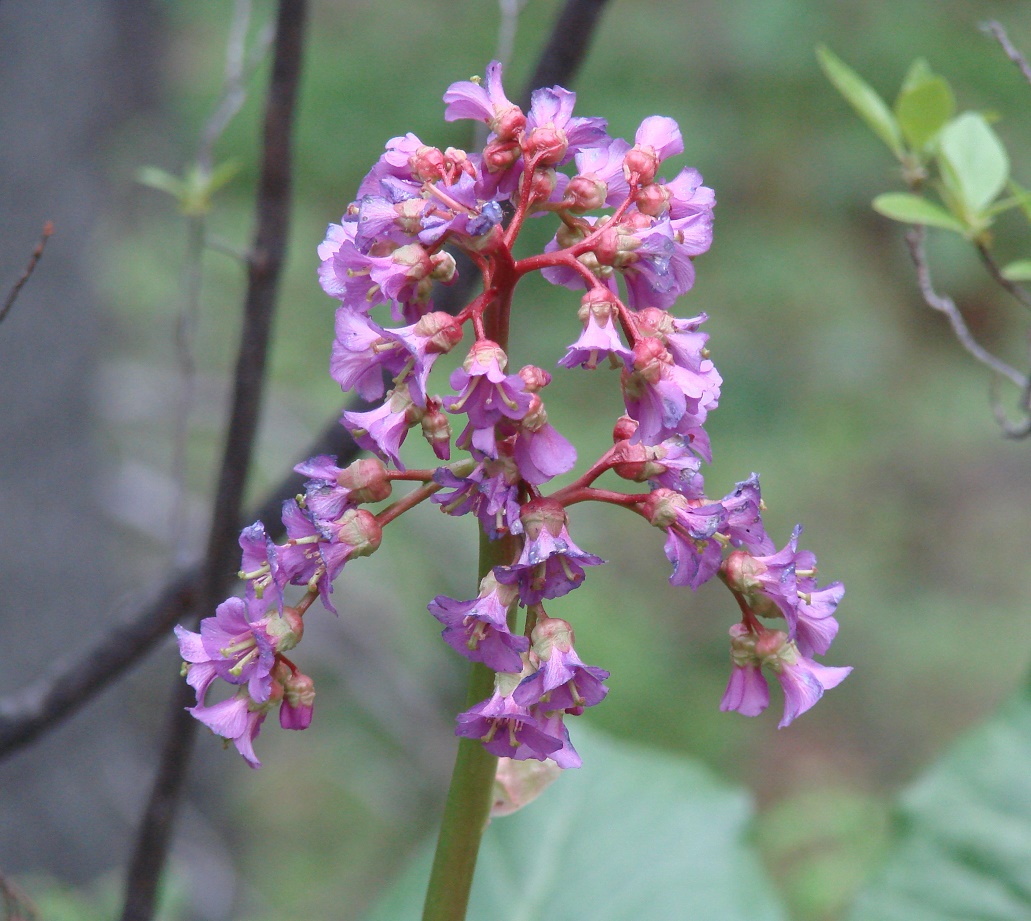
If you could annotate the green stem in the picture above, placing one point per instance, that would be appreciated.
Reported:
(468, 799)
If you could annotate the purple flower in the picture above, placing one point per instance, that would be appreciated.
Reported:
(550, 564)
(540, 452)
(420, 345)
(487, 395)
(562, 681)
(237, 719)
(599, 338)
(489, 104)
(744, 523)
(802, 680)
(747, 691)
(238, 645)
(298, 704)
(259, 565)
(504, 727)
(478, 629)
(767, 585)
(552, 134)
(691, 545)
(384, 429)
(814, 627)
(362, 351)
(490, 491)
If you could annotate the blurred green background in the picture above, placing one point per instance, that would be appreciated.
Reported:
(865, 420)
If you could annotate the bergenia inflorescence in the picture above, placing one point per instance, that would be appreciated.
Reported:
(626, 239)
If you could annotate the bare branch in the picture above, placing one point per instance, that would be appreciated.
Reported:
(273, 215)
(37, 254)
(945, 305)
(996, 30)
(1021, 294)
(567, 46)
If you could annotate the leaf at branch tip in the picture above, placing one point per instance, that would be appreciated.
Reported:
(923, 109)
(912, 209)
(974, 165)
(1017, 271)
(155, 178)
(1023, 197)
(863, 98)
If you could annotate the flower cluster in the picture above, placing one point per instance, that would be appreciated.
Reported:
(626, 240)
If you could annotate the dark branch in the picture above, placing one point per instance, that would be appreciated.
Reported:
(37, 254)
(1014, 290)
(28, 714)
(996, 30)
(273, 214)
(567, 46)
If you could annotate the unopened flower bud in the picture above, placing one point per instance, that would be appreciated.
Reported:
(436, 429)
(499, 155)
(441, 331)
(567, 236)
(536, 416)
(442, 267)
(636, 462)
(624, 429)
(534, 378)
(507, 123)
(285, 629)
(367, 480)
(551, 633)
(653, 200)
(547, 145)
(427, 164)
(359, 529)
(542, 184)
(640, 166)
(585, 193)
(298, 702)
(661, 507)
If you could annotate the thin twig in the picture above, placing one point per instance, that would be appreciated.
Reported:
(945, 305)
(273, 215)
(37, 254)
(17, 906)
(1014, 290)
(993, 28)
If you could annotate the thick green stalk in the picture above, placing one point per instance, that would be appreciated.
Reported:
(469, 796)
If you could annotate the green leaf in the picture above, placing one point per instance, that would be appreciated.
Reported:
(164, 182)
(1017, 271)
(923, 109)
(912, 209)
(918, 72)
(973, 163)
(1023, 197)
(964, 833)
(631, 835)
(863, 98)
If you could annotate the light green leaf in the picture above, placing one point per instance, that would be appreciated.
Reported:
(964, 833)
(162, 181)
(912, 209)
(973, 163)
(923, 109)
(1023, 197)
(631, 835)
(918, 72)
(863, 98)
(1017, 271)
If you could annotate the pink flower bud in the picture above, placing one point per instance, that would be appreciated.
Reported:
(298, 702)
(436, 429)
(534, 378)
(640, 165)
(499, 155)
(624, 429)
(360, 530)
(427, 164)
(653, 200)
(542, 184)
(366, 479)
(547, 145)
(585, 193)
(442, 268)
(440, 330)
(661, 507)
